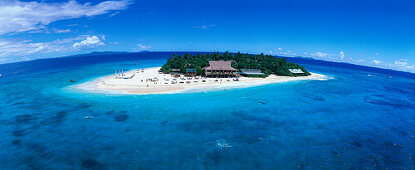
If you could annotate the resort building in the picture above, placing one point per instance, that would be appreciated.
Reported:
(220, 69)
(296, 71)
(191, 72)
(251, 72)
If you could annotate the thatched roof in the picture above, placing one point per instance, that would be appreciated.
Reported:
(296, 71)
(220, 65)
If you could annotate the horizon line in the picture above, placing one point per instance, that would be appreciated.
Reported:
(127, 52)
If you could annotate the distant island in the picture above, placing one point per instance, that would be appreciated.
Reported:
(250, 65)
(203, 72)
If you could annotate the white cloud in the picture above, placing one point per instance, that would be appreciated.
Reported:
(115, 13)
(376, 61)
(329, 56)
(8, 48)
(17, 49)
(143, 47)
(320, 54)
(73, 25)
(13, 48)
(89, 42)
(16, 16)
(204, 26)
(53, 30)
(39, 48)
(61, 31)
(403, 64)
(341, 55)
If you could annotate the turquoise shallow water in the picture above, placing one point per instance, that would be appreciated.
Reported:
(357, 120)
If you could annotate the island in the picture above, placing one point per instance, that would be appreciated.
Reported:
(203, 72)
(217, 65)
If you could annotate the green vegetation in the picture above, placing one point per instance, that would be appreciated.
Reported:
(266, 63)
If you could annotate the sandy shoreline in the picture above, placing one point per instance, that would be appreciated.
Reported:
(150, 81)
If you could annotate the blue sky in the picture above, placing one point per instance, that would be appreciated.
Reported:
(375, 33)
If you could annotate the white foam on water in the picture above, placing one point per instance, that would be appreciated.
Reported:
(222, 143)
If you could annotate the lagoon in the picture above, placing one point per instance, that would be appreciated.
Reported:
(351, 120)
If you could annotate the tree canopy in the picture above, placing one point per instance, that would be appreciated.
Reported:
(266, 63)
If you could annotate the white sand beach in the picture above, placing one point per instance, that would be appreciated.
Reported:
(150, 81)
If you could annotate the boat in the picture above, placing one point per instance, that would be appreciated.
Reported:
(72, 80)
(89, 117)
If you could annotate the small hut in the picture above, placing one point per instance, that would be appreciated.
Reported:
(175, 70)
(296, 71)
(251, 72)
(191, 72)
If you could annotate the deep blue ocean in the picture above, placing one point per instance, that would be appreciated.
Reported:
(361, 118)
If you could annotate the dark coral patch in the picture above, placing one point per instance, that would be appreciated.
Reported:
(23, 118)
(16, 142)
(18, 132)
(357, 143)
(19, 103)
(109, 112)
(121, 117)
(319, 99)
(85, 105)
(60, 115)
(91, 164)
